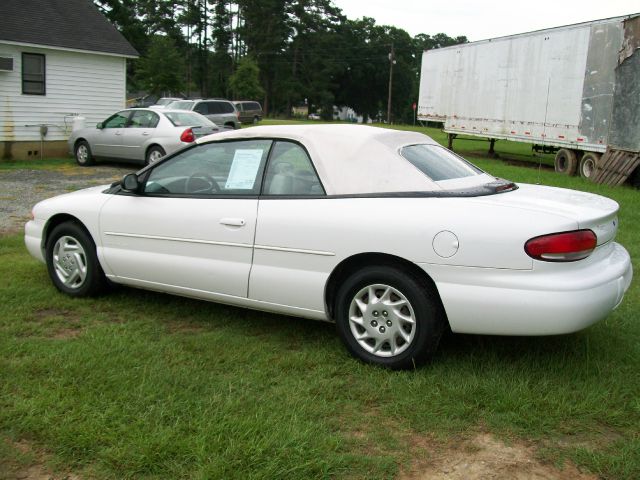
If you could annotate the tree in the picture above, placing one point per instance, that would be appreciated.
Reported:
(162, 69)
(222, 62)
(298, 49)
(245, 82)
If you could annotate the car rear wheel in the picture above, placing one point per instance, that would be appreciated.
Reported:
(388, 317)
(566, 161)
(154, 154)
(83, 154)
(72, 261)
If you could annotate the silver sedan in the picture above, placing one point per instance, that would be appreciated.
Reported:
(139, 134)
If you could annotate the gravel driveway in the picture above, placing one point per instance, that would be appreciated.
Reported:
(21, 189)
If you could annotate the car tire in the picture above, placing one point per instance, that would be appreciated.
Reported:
(566, 161)
(72, 261)
(83, 154)
(588, 164)
(154, 154)
(389, 334)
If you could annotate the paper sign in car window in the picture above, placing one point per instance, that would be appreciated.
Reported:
(244, 170)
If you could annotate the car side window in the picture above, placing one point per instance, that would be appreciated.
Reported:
(226, 107)
(202, 108)
(118, 120)
(214, 107)
(222, 168)
(290, 172)
(143, 119)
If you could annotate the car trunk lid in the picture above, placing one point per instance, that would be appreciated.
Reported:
(590, 211)
(201, 131)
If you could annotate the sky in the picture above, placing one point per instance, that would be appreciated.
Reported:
(480, 19)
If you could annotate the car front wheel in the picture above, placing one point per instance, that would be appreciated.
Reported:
(72, 261)
(389, 317)
(83, 155)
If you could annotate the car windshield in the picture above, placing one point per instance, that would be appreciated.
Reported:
(438, 163)
(165, 101)
(181, 105)
(184, 119)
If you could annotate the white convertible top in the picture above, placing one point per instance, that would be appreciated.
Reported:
(350, 159)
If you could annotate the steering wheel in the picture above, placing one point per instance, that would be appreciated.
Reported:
(191, 185)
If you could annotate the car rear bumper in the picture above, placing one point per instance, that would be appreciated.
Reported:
(551, 299)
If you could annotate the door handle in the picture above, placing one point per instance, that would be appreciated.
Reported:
(233, 222)
(146, 133)
(118, 133)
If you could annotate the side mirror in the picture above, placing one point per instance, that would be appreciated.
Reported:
(130, 183)
(100, 126)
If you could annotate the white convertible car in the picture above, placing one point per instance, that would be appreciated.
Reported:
(386, 233)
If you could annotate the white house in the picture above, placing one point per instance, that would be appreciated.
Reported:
(59, 59)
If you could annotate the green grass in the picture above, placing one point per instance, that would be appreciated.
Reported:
(142, 385)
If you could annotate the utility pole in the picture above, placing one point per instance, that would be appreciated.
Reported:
(392, 61)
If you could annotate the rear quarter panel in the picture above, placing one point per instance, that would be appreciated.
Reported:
(489, 237)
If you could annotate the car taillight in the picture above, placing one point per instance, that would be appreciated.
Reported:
(562, 247)
(187, 136)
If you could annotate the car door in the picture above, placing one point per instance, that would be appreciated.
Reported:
(108, 140)
(291, 263)
(204, 108)
(191, 228)
(215, 113)
(139, 129)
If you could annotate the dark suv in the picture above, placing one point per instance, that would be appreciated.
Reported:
(221, 112)
(250, 112)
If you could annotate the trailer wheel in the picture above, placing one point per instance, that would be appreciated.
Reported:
(566, 161)
(588, 164)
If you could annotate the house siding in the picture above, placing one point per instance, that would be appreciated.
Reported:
(77, 83)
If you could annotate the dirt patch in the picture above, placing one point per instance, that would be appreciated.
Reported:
(72, 322)
(185, 327)
(47, 313)
(66, 333)
(483, 457)
(35, 470)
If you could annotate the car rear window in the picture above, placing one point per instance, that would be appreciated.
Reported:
(438, 163)
(165, 101)
(181, 105)
(188, 119)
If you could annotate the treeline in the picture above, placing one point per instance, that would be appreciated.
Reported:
(284, 53)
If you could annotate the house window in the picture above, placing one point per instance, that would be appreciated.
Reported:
(33, 74)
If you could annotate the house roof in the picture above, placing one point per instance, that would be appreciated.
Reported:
(76, 24)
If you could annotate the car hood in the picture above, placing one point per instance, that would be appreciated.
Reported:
(85, 200)
(591, 211)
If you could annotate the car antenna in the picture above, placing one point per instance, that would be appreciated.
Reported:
(544, 130)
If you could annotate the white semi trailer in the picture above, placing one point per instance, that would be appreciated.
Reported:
(573, 90)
